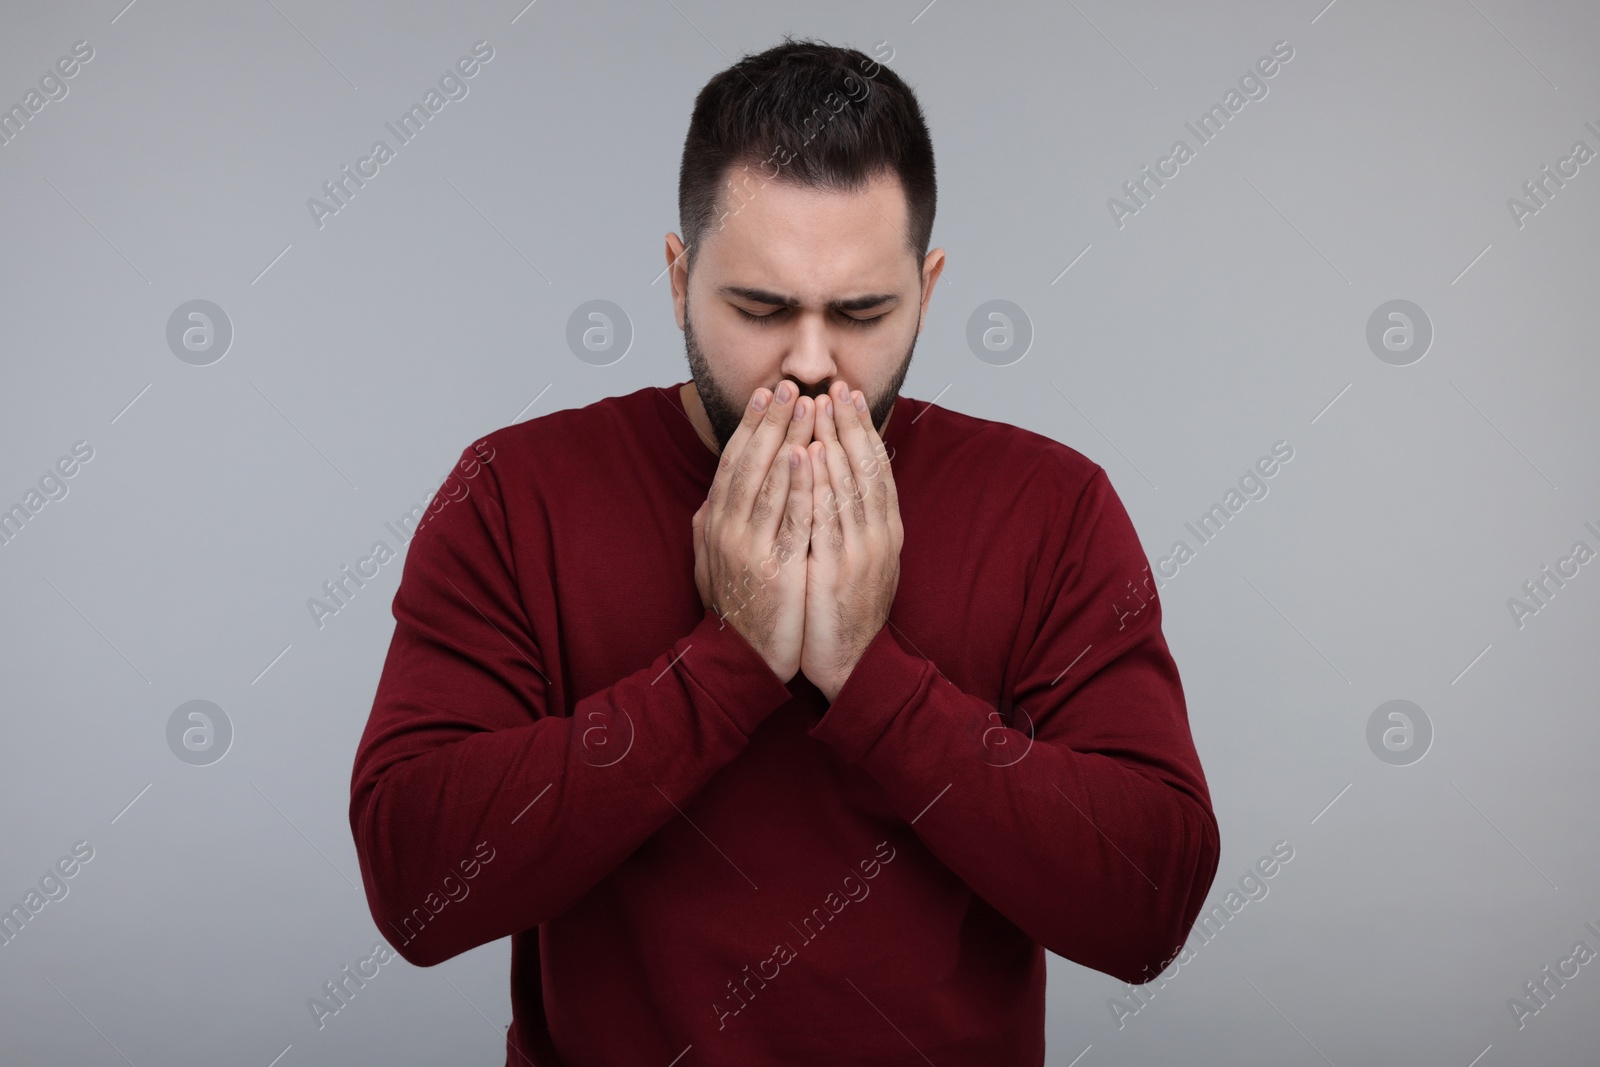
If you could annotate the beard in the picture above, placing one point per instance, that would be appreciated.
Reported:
(725, 411)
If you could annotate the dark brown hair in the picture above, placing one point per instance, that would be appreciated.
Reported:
(807, 113)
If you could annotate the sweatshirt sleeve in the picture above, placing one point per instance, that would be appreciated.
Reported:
(478, 810)
(1080, 812)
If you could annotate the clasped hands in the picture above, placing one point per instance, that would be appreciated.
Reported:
(798, 542)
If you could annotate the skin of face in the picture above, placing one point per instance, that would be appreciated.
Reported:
(798, 254)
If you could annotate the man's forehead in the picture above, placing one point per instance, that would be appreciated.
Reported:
(811, 244)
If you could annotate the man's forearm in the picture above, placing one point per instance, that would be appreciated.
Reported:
(1101, 861)
(561, 801)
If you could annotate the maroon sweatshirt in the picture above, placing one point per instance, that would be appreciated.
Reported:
(692, 858)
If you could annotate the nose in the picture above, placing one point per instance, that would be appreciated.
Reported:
(809, 360)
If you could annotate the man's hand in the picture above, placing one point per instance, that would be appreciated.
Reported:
(751, 534)
(854, 566)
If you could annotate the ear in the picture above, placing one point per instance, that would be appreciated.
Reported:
(932, 267)
(678, 272)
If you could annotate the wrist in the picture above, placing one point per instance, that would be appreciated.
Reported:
(834, 684)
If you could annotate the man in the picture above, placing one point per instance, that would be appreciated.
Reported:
(776, 717)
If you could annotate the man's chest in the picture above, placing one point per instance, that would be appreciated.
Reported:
(627, 591)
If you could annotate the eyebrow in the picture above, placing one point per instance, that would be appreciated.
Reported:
(854, 303)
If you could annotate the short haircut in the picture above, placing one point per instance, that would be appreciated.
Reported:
(810, 114)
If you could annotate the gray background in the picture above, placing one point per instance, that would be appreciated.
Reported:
(1228, 314)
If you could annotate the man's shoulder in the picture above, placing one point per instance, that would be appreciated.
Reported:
(570, 436)
(1004, 453)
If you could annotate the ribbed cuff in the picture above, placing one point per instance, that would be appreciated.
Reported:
(885, 680)
(728, 669)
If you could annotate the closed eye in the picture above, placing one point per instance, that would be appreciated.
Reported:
(771, 316)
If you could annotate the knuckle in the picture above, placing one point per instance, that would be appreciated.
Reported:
(763, 505)
(739, 475)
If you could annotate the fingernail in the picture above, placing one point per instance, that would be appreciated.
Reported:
(861, 402)
(785, 392)
(794, 460)
(759, 401)
(827, 406)
(798, 408)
